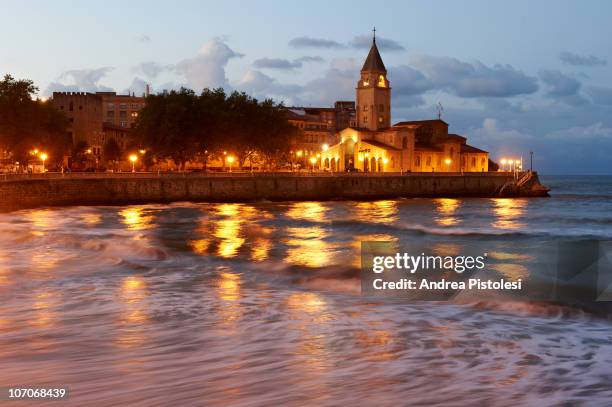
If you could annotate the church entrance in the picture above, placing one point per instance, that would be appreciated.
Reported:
(349, 155)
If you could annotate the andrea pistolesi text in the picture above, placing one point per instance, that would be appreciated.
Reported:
(411, 264)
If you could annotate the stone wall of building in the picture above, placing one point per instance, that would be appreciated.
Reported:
(141, 188)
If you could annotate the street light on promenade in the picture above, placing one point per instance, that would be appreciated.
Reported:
(230, 160)
(313, 161)
(43, 157)
(133, 159)
(448, 162)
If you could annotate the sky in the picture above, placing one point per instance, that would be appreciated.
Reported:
(513, 77)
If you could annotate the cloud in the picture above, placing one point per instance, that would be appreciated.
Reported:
(559, 84)
(492, 131)
(207, 68)
(262, 86)
(284, 64)
(570, 58)
(600, 95)
(408, 86)
(309, 42)
(144, 38)
(474, 79)
(385, 44)
(337, 83)
(582, 133)
(308, 58)
(138, 87)
(81, 80)
(152, 69)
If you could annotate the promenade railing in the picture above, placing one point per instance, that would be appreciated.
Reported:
(238, 174)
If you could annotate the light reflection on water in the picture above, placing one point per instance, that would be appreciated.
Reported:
(508, 212)
(307, 247)
(133, 312)
(135, 218)
(230, 314)
(376, 211)
(445, 210)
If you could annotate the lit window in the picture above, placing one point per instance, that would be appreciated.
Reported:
(380, 119)
(366, 82)
(381, 81)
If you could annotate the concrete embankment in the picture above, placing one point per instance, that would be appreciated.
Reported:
(110, 189)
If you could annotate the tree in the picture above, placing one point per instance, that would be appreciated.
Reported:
(80, 155)
(112, 151)
(183, 126)
(26, 123)
(168, 125)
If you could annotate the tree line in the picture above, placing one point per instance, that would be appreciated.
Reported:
(185, 126)
(27, 123)
(178, 124)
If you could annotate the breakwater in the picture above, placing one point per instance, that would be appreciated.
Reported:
(17, 191)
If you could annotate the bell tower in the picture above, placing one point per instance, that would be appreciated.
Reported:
(373, 92)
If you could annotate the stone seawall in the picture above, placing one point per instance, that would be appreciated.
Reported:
(102, 189)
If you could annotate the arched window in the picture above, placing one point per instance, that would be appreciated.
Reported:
(428, 162)
(417, 161)
(405, 142)
(473, 162)
(381, 81)
(452, 151)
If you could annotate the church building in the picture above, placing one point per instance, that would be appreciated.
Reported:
(374, 145)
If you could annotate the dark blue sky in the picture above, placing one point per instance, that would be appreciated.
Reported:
(512, 76)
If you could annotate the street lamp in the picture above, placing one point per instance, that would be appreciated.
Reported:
(230, 160)
(448, 162)
(133, 159)
(313, 161)
(503, 163)
(43, 157)
(325, 147)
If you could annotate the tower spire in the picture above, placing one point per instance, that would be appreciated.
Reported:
(374, 35)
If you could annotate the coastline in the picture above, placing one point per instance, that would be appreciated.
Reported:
(30, 191)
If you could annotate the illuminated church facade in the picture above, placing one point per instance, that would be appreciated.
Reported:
(374, 145)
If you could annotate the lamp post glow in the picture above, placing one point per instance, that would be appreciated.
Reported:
(503, 164)
(325, 147)
(448, 162)
(313, 161)
(230, 160)
(133, 159)
(43, 157)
